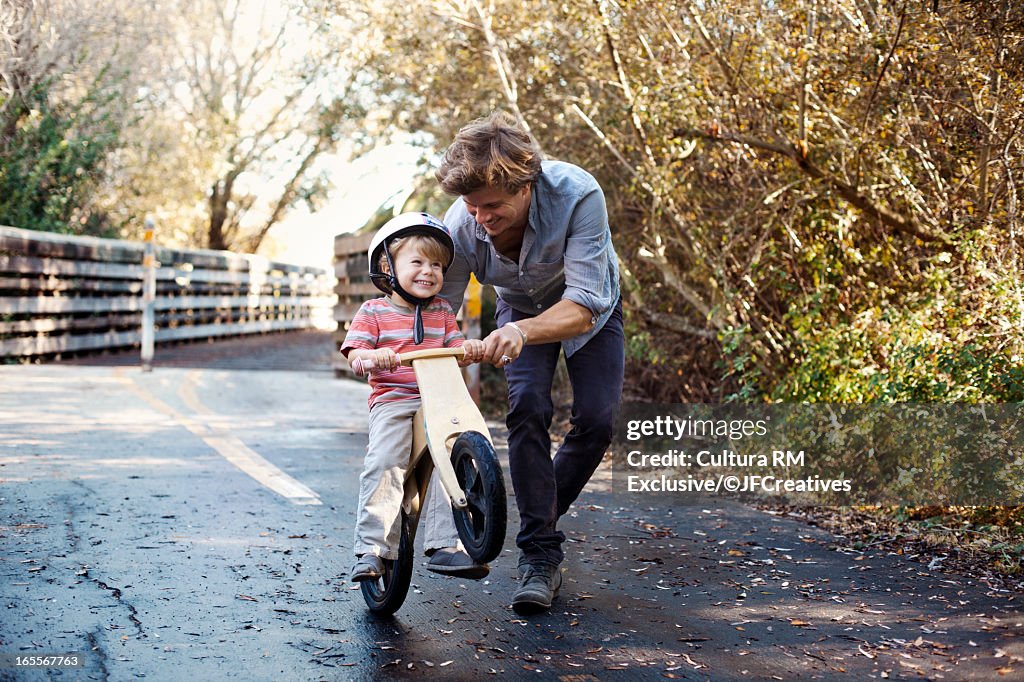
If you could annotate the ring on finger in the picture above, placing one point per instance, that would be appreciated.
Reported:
(505, 359)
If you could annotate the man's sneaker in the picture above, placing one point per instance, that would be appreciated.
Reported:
(540, 584)
(369, 567)
(456, 563)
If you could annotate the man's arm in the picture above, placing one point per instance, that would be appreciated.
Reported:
(561, 321)
(455, 282)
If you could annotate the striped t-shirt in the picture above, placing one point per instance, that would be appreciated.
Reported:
(380, 323)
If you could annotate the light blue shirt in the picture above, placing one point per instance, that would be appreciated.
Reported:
(567, 251)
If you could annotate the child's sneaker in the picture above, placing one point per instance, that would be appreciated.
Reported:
(454, 562)
(369, 567)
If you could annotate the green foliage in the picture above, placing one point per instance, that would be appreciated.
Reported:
(842, 366)
(639, 348)
(738, 364)
(53, 156)
(950, 374)
(879, 325)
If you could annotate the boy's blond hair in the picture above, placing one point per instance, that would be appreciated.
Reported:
(434, 249)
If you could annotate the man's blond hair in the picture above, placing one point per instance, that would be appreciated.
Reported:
(490, 152)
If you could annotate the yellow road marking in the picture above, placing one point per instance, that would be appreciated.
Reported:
(226, 445)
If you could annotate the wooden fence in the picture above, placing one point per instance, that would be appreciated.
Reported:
(63, 294)
(352, 274)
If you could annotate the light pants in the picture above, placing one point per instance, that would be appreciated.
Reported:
(378, 519)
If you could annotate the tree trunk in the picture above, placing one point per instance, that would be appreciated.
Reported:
(220, 195)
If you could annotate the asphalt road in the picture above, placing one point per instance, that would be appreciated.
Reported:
(195, 523)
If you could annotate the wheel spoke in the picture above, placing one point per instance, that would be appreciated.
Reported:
(470, 476)
(472, 486)
(476, 501)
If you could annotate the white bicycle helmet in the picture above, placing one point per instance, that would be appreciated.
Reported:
(404, 225)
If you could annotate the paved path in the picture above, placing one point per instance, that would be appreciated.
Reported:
(195, 522)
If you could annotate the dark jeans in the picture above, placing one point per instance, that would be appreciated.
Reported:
(545, 487)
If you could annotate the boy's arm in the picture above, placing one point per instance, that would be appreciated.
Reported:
(360, 344)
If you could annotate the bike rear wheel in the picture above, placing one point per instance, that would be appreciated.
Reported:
(385, 595)
(481, 524)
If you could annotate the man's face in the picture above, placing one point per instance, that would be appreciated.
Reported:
(496, 210)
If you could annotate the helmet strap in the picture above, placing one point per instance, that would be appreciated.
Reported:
(417, 327)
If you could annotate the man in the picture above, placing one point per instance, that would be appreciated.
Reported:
(538, 231)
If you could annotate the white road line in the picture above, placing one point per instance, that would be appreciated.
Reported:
(226, 445)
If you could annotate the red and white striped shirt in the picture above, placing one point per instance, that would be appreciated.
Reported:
(380, 323)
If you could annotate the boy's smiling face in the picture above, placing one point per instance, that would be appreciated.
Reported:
(417, 272)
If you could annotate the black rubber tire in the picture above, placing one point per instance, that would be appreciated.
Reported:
(481, 524)
(385, 595)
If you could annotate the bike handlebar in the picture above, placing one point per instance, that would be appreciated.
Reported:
(364, 367)
(428, 353)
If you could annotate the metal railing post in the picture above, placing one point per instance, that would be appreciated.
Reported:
(148, 298)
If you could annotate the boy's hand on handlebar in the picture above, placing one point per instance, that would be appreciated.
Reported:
(474, 349)
(378, 359)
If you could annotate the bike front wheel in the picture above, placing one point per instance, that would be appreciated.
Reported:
(481, 524)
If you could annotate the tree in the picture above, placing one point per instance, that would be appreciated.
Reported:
(811, 200)
(256, 101)
(65, 94)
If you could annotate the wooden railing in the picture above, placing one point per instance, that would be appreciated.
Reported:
(352, 272)
(63, 294)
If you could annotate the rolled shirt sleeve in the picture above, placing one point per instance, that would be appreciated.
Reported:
(588, 251)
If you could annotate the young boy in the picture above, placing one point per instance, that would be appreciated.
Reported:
(408, 257)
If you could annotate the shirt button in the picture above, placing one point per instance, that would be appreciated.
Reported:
(539, 306)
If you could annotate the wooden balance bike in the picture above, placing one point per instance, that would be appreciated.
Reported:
(450, 428)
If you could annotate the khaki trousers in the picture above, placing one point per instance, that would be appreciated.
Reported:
(378, 518)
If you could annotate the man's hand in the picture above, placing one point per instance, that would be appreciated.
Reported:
(502, 346)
